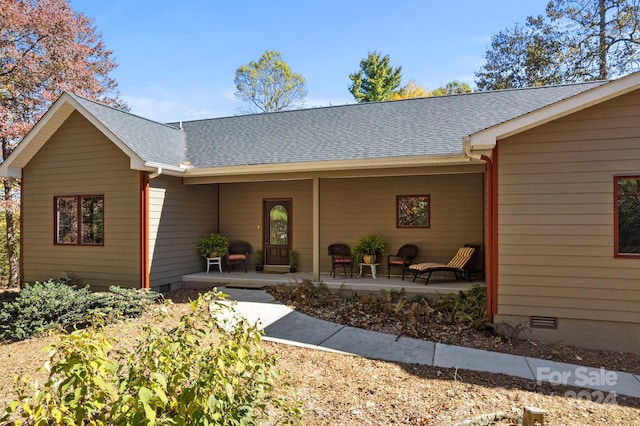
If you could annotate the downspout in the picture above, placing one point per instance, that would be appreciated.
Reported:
(157, 173)
(491, 251)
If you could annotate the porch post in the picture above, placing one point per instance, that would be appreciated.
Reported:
(316, 229)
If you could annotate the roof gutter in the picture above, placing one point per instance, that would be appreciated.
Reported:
(157, 169)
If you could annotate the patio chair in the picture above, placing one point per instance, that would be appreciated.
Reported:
(340, 256)
(459, 265)
(238, 254)
(402, 259)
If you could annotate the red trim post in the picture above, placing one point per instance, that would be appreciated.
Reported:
(492, 235)
(144, 230)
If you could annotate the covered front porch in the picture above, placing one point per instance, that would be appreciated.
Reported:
(438, 285)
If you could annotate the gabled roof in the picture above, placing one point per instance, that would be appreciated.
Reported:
(151, 141)
(421, 131)
(485, 140)
(147, 143)
(415, 127)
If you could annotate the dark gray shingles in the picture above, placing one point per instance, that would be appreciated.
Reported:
(151, 141)
(415, 127)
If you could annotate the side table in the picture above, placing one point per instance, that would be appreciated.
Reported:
(373, 267)
(214, 261)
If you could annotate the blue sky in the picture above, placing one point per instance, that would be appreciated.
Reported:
(177, 59)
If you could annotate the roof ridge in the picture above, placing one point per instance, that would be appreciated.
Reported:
(369, 104)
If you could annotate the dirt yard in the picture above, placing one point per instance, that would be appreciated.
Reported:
(346, 390)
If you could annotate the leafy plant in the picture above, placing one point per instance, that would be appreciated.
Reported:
(293, 260)
(209, 369)
(258, 260)
(50, 306)
(467, 307)
(370, 245)
(213, 245)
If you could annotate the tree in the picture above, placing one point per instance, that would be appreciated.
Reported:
(269, 85)
(376, 80)
(522, 56)
(577, 40)
(47, 48)
(601, 38)
(454, 87)
(410, 91)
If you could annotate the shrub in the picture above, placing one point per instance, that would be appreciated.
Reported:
(467, 307)
(49, 306)
(206, 370)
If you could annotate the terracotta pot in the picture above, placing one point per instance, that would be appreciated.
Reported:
(369, 259)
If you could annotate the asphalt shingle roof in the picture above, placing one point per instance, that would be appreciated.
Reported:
(415, 127)
(151, 141)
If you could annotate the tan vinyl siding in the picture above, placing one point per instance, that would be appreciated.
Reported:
(178, 216)
(241, 215)
(79, 160)
(556, 216)
(353, 208)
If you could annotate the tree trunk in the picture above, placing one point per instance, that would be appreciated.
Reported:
(12, 240)
(602, 44)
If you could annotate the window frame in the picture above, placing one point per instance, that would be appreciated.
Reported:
(78, 220)
(616, 210)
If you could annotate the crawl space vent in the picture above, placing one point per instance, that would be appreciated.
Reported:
(543, 322)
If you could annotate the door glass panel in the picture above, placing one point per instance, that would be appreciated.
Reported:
(279, 225)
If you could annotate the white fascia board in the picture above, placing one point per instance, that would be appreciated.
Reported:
(7, 168)
(60, 106)
(487, 138)
(324, 166)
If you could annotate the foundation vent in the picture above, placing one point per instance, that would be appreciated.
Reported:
(543, 322)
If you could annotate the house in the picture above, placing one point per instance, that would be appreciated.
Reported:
(536, 176)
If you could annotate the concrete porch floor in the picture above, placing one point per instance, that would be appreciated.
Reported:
(438, 284)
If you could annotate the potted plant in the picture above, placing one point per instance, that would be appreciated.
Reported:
(258, 260)
(213, 245)
(293, 260)
(369, 249)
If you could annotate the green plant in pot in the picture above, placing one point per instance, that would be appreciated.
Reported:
(258, 260)
(293, 261)
(369, 249)
(213, 245)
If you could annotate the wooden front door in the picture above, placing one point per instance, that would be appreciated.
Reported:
(277, 231)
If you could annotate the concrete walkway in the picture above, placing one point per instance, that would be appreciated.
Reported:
(284, 325)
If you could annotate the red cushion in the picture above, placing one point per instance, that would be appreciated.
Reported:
(396, 262)
(342, 261)
(237, 257)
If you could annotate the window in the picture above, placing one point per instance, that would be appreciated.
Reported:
(278, 225)
(412, 211)
(79, 220)
(627, 215)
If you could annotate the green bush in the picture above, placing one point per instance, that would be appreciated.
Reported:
(466, 307)
(208, 370)
(49, 306)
